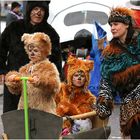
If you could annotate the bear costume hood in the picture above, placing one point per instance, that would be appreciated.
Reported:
(38, 39)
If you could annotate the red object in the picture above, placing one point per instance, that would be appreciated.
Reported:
(137, 17)
(65, 132)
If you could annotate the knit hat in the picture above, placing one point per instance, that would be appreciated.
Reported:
(75, 65)
(38, 39)
(32, 4)
(120, 14)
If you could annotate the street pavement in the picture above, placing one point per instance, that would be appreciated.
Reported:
(113, 121)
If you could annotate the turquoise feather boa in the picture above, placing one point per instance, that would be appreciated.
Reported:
(118, 62)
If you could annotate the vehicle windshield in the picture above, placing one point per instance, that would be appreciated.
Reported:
(87, 17)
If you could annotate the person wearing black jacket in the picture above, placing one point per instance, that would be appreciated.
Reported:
(14, 14)
(12, 54)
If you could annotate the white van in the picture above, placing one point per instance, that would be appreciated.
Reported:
(71, 17)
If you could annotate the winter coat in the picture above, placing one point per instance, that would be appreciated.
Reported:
(12, 16)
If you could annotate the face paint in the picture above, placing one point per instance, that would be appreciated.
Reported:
(37, 15)
(34, 53)
(78, 79)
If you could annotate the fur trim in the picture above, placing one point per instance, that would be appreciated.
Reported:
(111, 49)
(121, 14)
(125, 76)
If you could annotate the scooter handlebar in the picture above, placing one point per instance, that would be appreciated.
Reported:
(17, 79)
(21, 78)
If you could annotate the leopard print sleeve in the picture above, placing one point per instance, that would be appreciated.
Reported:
(105, 100)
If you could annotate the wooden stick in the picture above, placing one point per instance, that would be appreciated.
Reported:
(81, 116)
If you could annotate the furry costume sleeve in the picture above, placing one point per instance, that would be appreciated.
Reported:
(69, 103)
(105, 100)
(14, 87)
(48, 75)
(64, 107)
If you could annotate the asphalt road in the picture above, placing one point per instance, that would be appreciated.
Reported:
(113, 121)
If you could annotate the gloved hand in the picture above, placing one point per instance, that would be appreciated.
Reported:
(103, 111)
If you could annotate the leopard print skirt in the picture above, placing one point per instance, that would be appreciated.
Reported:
(128, 113)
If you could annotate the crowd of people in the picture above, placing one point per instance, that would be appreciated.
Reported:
(119, 62)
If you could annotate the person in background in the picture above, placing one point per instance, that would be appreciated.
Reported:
(14, 14)
(12, 53)
(5, 9)
(120, 71)
(98, 46)
(96, 55)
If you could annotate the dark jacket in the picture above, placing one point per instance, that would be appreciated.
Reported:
(12, 50)
(12, 53)
(12, 16)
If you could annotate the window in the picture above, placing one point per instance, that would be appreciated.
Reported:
(85, 17)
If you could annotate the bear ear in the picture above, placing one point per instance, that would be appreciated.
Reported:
(89, 64)
(25, 38)
(46, 38)
(41, 36)
(71, 60)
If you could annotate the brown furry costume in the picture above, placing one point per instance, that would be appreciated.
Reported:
(40, 94)
(73, 100)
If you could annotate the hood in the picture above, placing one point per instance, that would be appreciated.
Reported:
(74, 65)
(31, 4)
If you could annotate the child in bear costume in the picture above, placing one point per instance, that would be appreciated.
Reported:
(46, 82)
(74, 98)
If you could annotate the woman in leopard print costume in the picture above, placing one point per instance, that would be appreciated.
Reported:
(120, 71)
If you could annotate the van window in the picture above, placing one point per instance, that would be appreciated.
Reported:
(87, 17)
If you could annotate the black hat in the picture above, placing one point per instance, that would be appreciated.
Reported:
(32, 4)
(15, 4)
